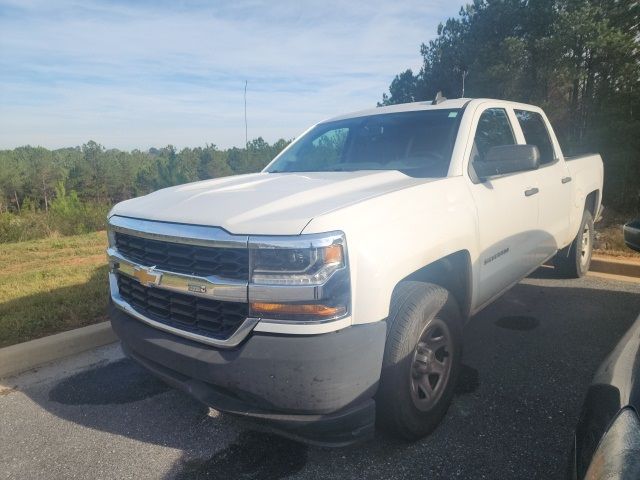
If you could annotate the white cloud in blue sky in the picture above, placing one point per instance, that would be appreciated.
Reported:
(142, 74)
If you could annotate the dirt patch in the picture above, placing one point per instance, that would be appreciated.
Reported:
(4, 391)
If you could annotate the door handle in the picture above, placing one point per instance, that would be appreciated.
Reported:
(566, 180)
(531, 191)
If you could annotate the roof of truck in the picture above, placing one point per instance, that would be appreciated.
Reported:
(405, 107)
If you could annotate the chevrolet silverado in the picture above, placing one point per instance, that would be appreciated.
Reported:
(327, 294)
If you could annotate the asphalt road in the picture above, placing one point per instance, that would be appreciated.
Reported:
(528, 360)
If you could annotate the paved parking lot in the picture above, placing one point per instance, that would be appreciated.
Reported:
(528, 360)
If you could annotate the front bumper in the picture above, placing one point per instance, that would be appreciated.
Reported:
(315, 388)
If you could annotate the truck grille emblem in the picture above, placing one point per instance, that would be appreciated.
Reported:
(148, 277)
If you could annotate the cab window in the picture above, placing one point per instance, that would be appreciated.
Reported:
(536, 133)
(494, 130)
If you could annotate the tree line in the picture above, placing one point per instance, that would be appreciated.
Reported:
(70, 190)
(577, 59)
(29, 175)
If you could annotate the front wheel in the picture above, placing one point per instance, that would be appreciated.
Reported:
(575, 262)
(421, 361)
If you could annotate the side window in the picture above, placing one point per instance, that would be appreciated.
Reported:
(493, 130)
(536, 133)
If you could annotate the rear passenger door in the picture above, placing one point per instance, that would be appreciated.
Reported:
(554, 183)
(507, 217)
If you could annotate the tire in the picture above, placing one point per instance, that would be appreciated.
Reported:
(575, 261)
(424, 338)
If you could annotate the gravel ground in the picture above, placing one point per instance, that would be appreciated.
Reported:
(529, 358)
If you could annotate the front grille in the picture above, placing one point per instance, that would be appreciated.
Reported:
(211, 318)
(231, 263)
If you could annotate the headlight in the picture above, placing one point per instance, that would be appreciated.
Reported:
(311, 265)
(299, 260)
(299, 277)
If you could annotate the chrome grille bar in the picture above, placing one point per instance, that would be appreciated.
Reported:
(178, 232)
(208, 287)
(234, 340)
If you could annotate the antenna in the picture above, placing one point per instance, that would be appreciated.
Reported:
(464, 75)
(246, 134)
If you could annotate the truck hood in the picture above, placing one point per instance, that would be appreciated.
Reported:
(263, 203)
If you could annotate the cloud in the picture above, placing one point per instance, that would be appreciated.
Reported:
(141, 74)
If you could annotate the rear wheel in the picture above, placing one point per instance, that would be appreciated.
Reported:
(575, 262)
(421, 361)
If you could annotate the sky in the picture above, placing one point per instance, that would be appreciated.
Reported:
(141, 74)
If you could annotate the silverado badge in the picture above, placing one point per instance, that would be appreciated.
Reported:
(197, 288)
(147, 277)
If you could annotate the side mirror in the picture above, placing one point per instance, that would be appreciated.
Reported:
(507, 159)
(632, 234)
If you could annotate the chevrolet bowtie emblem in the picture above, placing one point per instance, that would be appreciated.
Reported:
(147, 277)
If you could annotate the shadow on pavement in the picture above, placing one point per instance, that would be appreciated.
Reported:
(108, 385)
(253, 455)
(513, 416)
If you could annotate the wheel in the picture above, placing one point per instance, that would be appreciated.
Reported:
(421, 360)
(575, 262)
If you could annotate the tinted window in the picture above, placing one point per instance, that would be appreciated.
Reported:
(417, 143)
(535, 133)
(493, 130)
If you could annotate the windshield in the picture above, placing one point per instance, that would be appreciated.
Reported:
(417, 143)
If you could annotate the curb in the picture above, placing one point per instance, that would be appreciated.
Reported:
(25, 356)
(615, 266)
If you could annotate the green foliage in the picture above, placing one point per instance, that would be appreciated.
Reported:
(69, 216)
(65, 204)
(579, 60)
(69, 191)
(405, 87)
(26, 226)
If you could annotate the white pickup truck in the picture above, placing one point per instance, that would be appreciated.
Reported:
(327, 293)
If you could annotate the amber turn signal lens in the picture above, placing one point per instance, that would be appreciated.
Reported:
(333, 254)
(296, 309)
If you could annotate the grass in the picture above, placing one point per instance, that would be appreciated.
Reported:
(51, 285)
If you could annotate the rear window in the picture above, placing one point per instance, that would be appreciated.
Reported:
(417, 143)
(536, 133)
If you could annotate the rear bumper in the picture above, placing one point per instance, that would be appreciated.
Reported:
(316, 388)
